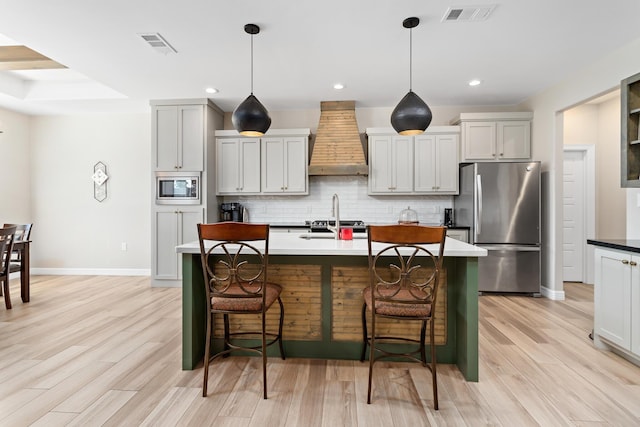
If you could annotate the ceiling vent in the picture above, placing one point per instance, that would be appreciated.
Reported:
(468, 13)
(158, 43)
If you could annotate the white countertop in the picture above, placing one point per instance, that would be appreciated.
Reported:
(292, 244)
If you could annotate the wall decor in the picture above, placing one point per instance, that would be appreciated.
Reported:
(100, 178)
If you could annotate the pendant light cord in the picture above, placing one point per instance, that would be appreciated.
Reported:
(251, 64)
(410, 59)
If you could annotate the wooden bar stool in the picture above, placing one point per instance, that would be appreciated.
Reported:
(235, 257)
(404, 270)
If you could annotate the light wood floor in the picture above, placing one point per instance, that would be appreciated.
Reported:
(106, 351)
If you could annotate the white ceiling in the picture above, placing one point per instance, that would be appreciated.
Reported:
(304, 47)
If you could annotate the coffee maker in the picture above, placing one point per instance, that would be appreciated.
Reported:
(231, 212)
(448, 217)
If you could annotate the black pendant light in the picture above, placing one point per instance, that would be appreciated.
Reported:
(412, 115)
(250, 118)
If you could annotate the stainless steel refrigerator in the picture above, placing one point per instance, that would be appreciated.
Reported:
(500, 203)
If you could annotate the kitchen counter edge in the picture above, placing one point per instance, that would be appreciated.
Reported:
(629, 245)
(292, 244)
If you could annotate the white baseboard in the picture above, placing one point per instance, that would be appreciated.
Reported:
(551, 294)
(90, 271)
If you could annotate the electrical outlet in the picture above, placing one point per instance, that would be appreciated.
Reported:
(638, 201)
(123, 246)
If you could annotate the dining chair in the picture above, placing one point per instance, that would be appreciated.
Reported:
(6, 247)
(235, 258)
(23, 232)
(405, 261)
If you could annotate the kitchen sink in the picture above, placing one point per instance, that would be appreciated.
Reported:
(321, 235)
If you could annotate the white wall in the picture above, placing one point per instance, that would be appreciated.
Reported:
(602, 76)
(15, 179)
(72, 231)
(599, 125)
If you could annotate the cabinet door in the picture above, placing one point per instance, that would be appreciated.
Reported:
(612, 297)
(402, 164)
(513, 140)
(447, 164)
(273, 165)
(425, 164)
(191, 138)
(436, 164)
(479, 140)
(391, 164)
(173, 227)
(188, 219)
(380, 169)
(228, 164)
(238, 165)
(296, 161)
(165, 138)
(166, 260)
(635, 304)
(178, 135)
(249, 173)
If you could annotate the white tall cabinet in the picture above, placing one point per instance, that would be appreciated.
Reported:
(182, 140)
(406, 165)
(490, 137)
(617, 301)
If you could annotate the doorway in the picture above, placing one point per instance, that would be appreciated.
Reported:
(578, 212)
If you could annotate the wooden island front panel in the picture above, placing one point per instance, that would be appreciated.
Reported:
(322, 296)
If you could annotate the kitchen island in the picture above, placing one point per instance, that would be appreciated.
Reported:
(322, 281)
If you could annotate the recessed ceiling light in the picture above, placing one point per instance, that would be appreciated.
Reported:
(474, 82)
(338, 86)
(211, 90)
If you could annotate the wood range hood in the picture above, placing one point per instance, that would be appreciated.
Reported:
(338, 148)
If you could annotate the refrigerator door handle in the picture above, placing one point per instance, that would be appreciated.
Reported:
(478, 210)
(510, 248)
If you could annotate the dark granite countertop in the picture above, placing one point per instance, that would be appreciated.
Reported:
(629, 245)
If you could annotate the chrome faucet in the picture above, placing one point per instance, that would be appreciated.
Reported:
(335, 212)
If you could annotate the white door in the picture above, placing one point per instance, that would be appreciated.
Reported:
(574, 231)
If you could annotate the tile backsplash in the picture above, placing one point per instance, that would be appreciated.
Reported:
(355, 203)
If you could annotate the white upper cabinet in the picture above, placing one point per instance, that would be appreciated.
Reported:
(178, 137)
(284, 165)
(238, 165)
(495, 136)
(275, 163)
(436, 163)
(422, 164)
(390, 164)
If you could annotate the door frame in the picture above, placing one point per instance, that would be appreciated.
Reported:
(589, 201)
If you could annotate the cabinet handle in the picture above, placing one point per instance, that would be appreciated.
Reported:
(625, 261)
(633, 263)
(501, 154)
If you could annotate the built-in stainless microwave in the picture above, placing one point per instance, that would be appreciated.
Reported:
(178, 188)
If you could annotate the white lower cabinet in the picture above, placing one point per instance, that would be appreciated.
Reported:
(173, 226)
(617, 299)
(458, 234)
